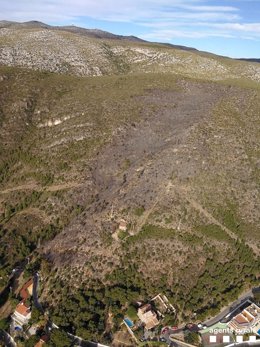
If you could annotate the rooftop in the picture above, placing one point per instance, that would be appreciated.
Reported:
(241, 319)
(147, 316)
(26, 289)
(248, 317)
(22, 309)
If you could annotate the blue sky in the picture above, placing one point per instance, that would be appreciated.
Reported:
(224, 27)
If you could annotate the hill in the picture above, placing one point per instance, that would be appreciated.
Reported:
(165, 139)
(253, 60)
(86, 52)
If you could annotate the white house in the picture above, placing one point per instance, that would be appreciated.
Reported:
(21, 315)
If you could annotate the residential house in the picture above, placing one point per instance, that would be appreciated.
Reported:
(147, 316)
(21, 315)
(247, 320)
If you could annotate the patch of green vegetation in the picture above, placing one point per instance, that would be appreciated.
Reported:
(4, 324)
(118, 63)
(152, 344)
(229, 216)
(10, 210)
(20, 244)
(122, 234)
(213, 231)
(151, 232)
(126, 284)
(138, 211)
(192, 337)
(244, 83)
(84, 311)
(132, 312)
(59, 338)
(224, 282)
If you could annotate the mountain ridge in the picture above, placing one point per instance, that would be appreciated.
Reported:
(87, 52)
(102, 34)
(96, 33)
(252, 60)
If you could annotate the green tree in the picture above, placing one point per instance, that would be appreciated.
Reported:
(59, 339)
(192, 338)
(36, 316)
(4, 324)
(31, 342)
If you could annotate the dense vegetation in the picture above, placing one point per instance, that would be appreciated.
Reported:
(85, 311)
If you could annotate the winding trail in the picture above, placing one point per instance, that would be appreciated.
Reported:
(143, 219)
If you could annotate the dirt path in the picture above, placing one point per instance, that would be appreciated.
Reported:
(182, 191)
(209, 216)
(36, 212)
(213, 220)
(63, 186)
(34, 186)
(27, 186)
(143, 219)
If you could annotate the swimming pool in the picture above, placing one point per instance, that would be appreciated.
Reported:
(128, 322)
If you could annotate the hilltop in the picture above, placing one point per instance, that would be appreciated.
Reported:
(87, 52)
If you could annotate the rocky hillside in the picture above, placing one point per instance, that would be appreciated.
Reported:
(173, 156)
(95, 53)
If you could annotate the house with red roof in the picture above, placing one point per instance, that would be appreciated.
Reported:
(21, 315)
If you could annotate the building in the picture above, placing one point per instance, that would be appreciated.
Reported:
(32, 330)
(21, 315)
(147, 316)
(247, 320)
(27, 290)
(122, 225)
(163, 305)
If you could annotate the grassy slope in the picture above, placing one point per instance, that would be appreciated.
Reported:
(182, 243)
(40, 159)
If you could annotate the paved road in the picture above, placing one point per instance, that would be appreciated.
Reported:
(245, 344)
(229, 309)
(36, 302)
(181, 343)
(80, 342)
(7, 339)
(172, 342)
(169, 340)
(13, 281)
